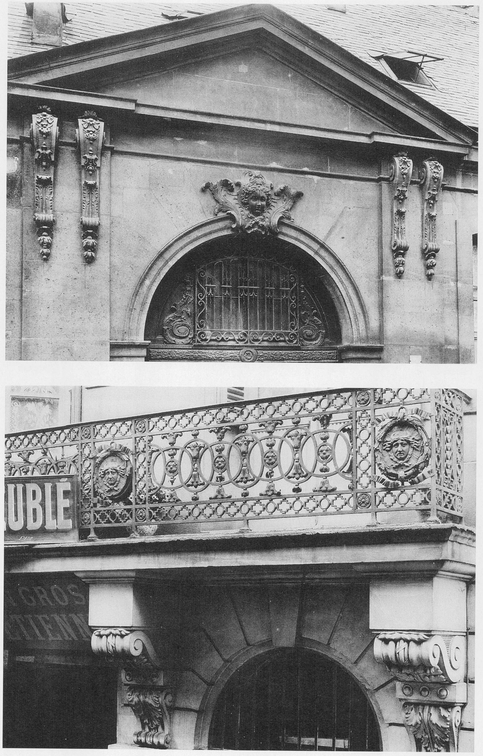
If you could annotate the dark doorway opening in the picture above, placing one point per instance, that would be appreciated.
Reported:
(238, 298)
(59, 706)
(293, 700)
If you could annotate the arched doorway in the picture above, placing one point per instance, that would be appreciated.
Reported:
(244, 298)
(293, 699)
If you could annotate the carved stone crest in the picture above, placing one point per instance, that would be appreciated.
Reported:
(402, 448)
(113, 473)
(253, 203)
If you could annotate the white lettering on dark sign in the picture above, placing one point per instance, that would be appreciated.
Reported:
(46, 610)
(40, 508)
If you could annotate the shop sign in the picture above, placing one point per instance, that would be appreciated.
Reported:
(41, 508)
(46, 611)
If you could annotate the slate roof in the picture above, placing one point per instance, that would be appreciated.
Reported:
(442, 31)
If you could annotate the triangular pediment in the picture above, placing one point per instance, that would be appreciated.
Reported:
(248, 62)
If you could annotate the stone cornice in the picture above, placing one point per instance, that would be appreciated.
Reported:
(373, 140)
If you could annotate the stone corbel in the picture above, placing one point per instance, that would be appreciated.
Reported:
(429, 670)
(90, 138)
(431, 179)
(401, 171)
(142, 677)
(44, 135)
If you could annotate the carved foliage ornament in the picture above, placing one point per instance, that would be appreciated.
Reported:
(150, 702)
(44, 135)
(113, 473)
(434, 727)
(90, 138)
(402, 448)
(431, 178)
(401, 171)
(253, 203)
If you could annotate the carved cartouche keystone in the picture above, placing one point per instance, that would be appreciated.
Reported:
(253, 203)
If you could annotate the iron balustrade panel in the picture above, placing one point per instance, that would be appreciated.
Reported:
(360, 452)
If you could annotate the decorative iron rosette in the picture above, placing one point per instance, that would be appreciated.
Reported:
(113, 473)
(403, 448)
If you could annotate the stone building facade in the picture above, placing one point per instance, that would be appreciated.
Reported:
(294, 572)
(236, 185)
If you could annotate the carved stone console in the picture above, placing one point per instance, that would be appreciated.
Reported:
(90, 138)
(44, 134)
(401, 171)
(429, 670)
(431, 179)
(143, 688)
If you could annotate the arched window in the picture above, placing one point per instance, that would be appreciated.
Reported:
(229, 298)
(293, 700)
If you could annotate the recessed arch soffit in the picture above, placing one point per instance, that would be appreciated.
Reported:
(217, 63)
(346, 296)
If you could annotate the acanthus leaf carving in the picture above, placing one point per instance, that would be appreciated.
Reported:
(434, 727)
(152, 707)
(44, 135)
(90, 139)
(401, 171)
(431, 179)
(253, 203)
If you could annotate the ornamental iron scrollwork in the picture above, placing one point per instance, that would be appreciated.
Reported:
(253, 203)
(142, 679)
(401, 171)
(402, 448)
(44, 135)
(431, 179)
(90, 138)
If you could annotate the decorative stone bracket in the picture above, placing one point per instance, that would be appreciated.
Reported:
(253, 203)
(143, 689)
(431, 179)
(90, 138)
(430, 671)
(401, 171)
(44, 135)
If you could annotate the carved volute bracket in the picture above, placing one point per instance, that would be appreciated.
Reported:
(430, 671)
(90, 138)
(431, 179)
(253, 203)
(401, 171)
(44, 135)
(142, 677)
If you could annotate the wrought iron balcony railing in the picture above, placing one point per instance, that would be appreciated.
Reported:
(370, 454)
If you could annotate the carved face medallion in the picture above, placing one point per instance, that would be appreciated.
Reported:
(402, 450)
(113, 472)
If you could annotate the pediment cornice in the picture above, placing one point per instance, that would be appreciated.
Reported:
(263, 26)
